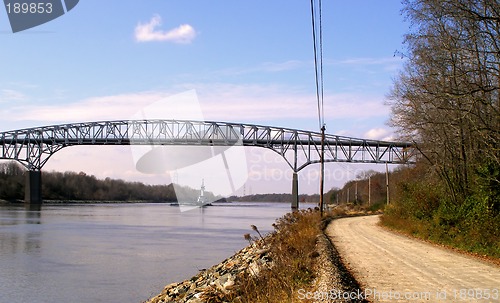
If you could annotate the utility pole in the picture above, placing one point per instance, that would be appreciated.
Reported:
(322, 171)
(356, 192)
(318, 68)
(387, 181)
(369, 191)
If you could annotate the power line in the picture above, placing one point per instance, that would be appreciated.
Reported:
(322, 121)
(317, 32)
(318, 68)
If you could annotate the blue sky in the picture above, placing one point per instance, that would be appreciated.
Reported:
(248, 61)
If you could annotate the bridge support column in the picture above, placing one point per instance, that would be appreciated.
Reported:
(33, 187)
(295, 192)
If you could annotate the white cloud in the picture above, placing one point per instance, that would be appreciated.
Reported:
(266, 67)
(11, 95)
(387, 64)
(114, 107)
(258, 103)
(379, 134)
(369, 61)
(147, 32)
(245, 103)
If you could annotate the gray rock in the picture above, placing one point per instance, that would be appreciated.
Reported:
(220, 279)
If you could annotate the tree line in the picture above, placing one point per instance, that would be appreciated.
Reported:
(274, 197)
(82, 187)
(73, 186)
(368, 189)
(447, 102)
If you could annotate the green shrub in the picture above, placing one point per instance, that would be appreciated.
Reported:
(422, 208)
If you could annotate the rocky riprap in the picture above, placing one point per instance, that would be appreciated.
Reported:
(218, 283)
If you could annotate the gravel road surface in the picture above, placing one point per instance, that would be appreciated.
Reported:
(395, 268)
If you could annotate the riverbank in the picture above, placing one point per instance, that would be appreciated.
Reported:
(294, 263)
(218, 283)
(59, 202)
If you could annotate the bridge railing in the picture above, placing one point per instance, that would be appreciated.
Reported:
(34, 146)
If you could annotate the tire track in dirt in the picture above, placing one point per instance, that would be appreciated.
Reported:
(396, 268)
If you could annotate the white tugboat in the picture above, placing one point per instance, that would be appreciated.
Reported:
(186, 201)
(202, 200)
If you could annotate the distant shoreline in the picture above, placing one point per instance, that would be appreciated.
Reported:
(74, 202)
(58, 202)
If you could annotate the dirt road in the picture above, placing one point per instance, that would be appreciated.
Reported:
(395, 268)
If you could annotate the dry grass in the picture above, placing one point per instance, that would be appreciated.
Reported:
(291, 260)
(292, 249)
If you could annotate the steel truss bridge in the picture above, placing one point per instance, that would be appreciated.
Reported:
(33, 147)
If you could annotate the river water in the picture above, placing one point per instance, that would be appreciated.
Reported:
(117, 252)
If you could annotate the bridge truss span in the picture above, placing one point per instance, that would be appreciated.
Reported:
(301, 148)
(33, 147)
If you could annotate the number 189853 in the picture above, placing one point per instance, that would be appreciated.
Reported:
(29, 8)
(476, 294)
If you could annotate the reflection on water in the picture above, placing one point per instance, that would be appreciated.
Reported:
(116, 252)
(27, 242)
(33, 207)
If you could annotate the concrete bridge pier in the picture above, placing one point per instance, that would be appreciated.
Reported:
(33, 187)
(295, 191)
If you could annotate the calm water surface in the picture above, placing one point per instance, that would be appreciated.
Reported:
(117, 252)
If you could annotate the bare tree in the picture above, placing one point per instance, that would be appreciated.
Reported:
(447, 99)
